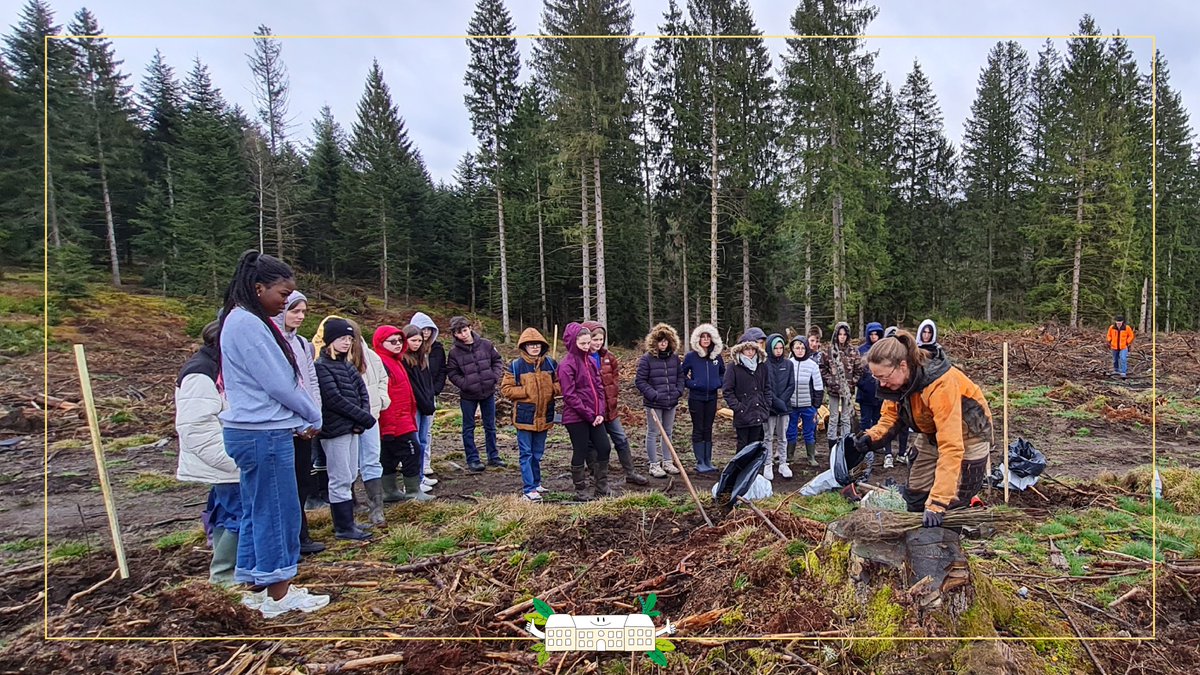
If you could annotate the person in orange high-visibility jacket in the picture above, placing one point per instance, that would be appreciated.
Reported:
(1120, 337)
(923, 391)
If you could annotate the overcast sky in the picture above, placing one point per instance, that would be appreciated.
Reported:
(426, 75)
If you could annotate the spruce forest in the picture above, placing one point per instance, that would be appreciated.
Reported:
(679, 180)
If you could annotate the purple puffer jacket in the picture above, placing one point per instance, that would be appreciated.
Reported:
(582, 389)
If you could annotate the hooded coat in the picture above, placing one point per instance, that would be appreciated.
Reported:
(531, 384)
(202, 456)
(400, 417)
(933, 327)
(582, 390)
(421, 381)
(704, 371)
(840, 368)
(745, 390)
(810, 388)
(945, 405)
(610, 372)
(660, 373)
(475, 368)
(306, 354)
(867, 384)
(781, 380)
(437, 352)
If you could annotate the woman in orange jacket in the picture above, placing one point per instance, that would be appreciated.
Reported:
(923, 390)
(1120, 337)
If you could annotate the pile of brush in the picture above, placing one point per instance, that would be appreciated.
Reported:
(868, 524)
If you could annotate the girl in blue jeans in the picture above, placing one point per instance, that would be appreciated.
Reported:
(810, 390)
(267, 406)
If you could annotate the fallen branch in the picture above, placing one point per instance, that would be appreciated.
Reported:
(758, 511)
(17, 608)
(1078, 634)
(71, 600)
(353, 664)
(1128, 595)
(519, 608)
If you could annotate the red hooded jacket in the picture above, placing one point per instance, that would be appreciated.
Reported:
(400, 417)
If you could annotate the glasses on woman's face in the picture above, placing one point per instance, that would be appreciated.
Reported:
(393, 341)
(889, 379)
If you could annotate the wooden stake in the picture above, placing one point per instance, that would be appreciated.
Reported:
(754, 507)
(1004, 449)
(682, 471)
(110, 505)
(554, 349)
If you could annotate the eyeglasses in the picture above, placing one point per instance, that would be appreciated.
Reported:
(393, 341)
(888, 377)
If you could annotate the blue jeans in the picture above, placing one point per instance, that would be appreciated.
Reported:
(805, 417)
(269, 537)
(369, 445)
(616, 432)
(532, 446)
(424, 429)
(488, 409)
(1121, 361)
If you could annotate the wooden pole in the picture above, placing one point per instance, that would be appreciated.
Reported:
(682, 471)
(554, 349)
(1004, 449)
(89, 402)
(754, 507)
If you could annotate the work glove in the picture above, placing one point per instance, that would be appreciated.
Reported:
(933, 518)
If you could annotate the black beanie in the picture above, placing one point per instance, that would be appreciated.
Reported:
(336, 328)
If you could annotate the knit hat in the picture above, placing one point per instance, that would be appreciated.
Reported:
(336, 328)
(458, 323)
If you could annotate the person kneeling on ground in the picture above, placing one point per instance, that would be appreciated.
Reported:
(923, 390)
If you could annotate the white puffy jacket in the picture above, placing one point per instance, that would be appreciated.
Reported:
(376, 378)
(202, 457)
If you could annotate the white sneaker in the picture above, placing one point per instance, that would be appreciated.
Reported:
(429, 481)
(768, 471)
(425, 488)
(656, 470)
(539, 489)
(533, 496)
(670, 467)
(785, 471)
(254, 600)
(296, 598)
(888, 462)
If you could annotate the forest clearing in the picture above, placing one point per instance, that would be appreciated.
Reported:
(457, 566)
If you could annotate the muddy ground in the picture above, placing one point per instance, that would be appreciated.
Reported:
(1088, 424)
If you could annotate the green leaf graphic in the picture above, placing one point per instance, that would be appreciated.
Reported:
(542, 608)
(663, 645)
(648, 603)
(653, 613)
(658, 657)
(539, 648)
(537, 619)
(542, 658)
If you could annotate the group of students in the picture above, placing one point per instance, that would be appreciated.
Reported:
(252, 401)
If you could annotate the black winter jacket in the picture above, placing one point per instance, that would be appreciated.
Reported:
(745, 391)
(475, 368)
(781, 378)
(437, 367)
(345, 404)
(423, 389)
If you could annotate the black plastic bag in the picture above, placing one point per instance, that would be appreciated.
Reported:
(845, 457)
(1025, 460)
(739, 473)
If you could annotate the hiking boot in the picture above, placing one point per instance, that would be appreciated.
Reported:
(631, 474)
(391, 491)
(656, 470)
(496, 463)
(888, 462)
(412, 490)
(669, 467)
(475, 467)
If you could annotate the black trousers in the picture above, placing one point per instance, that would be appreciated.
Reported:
(403, 451)
(585, 437)
(748, 435)
(703, 413)
(303, 449)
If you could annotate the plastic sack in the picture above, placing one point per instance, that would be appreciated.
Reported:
(738, 476)
(1025, 464)
(760, 488)
(843, 457)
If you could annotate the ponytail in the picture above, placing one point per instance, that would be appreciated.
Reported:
(257, 268)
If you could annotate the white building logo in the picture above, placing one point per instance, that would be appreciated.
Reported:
(599, 633)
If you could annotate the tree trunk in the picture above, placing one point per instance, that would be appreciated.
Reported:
(261, 195)
(862, 320)
(686, 328)
(987, 312)
(1076, 268)
(1145, 305)
(1170, 283)
(503, 261)
(839, 301)
(52, 209)
(109, 228)
(541, 255)
(807, 284)
(278, 214)
(745, 283)
(472, 254)
(585, 243)
(383, 263)
(170, 185)
(601, 284)
(712, 235)
(649, 227)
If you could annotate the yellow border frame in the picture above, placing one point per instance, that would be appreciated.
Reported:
(244, 638)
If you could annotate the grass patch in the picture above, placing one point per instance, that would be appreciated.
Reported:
(152, 482)
(18, 339)
(122, 417)
(1083, 432)
(541, 560)
(406, 543)
(644, 500)
(69, 551)
(20, 545)
(1053, 529)
(825, 508)
(1031, 398)
(67, 444)
(179, 539)
(1076, 414)
(1140, 549)
(123, 444)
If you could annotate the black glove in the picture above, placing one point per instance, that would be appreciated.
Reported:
(819, 398)
(862, 443)
(933, 518)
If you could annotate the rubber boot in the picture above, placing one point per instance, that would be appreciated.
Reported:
(600, 473)
(579, 478)
(811, 449)
(319, 498)
(224, 558)
(412, 490)
(343, 522)
(708, 460)
(631, 474)
(698, 451)
(391, 491)
(307, 545)
(374, 490)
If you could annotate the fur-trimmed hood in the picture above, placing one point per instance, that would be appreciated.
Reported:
(662, 331)
(736, 350)
(717, 345)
